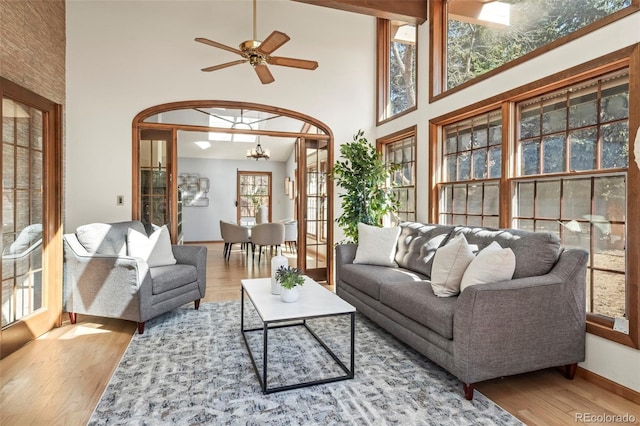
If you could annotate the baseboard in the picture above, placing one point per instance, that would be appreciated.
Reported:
(609, 385)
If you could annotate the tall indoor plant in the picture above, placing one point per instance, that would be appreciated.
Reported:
(364, 176)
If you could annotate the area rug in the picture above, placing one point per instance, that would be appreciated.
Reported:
(192, 368)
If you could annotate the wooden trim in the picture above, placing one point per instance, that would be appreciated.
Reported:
(413, 11)
(434, 162)
(239, 174)
(438, 33)
(382, 69)
(508, 153)
(609, 385)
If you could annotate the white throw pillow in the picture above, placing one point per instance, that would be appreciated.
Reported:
(154, 249)
(377, 246)
(493, 264)
(449, 264)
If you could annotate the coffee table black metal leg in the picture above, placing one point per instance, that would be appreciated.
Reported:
(265, 349)
(353, 343)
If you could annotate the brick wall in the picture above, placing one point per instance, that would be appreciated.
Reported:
(32, 45)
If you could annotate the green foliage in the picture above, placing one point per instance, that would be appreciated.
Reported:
(289, 277)
(364, 176)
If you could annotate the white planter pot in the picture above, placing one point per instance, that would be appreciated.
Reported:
(276, 262)
(289, 295)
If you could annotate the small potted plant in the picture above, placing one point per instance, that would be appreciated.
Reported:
(289, 278)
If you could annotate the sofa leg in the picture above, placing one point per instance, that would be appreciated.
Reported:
(468, 391)
(73, 317)
(197, 304)
(140, 328)
(570, 370)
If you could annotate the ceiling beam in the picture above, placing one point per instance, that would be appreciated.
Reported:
(414, 11)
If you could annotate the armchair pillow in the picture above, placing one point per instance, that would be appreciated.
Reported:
(154, 249)
(377, 246)
(492, 264)
(449, 264)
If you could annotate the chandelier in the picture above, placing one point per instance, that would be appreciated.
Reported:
(258, 152)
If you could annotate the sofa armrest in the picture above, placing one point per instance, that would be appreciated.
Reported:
(345, 253)
(103, 285)
(196, 256)
(524, 324)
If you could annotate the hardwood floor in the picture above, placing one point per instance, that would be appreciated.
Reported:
(59, 378)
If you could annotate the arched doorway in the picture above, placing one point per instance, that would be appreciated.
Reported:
(232, 131)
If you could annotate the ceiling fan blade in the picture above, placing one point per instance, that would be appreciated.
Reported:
(225, 65)
(274, 41)
(292, 62)
(218, 45)
(264, 74)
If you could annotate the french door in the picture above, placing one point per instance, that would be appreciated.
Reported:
(31, 216)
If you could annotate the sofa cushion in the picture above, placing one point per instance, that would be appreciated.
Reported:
(536, 252)
(167, 278)
(417, 301)
(493, 264)
(449, 265)
(154, 249)
(376, 245)
(368, 278)
(417, 245)
(107, 238)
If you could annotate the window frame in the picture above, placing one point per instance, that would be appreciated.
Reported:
(383, 61)
(438, 47)
(628, 57)
(254, 174)
(400, 135)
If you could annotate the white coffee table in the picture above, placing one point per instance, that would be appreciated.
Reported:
(315, 302)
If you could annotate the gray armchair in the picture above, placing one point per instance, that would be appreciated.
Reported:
(101, 279)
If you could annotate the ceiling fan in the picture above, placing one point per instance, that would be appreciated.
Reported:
(258, 54)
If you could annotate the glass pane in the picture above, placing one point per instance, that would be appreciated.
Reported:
(480, 136)
(608, 294)
(459, 220)
(554, 118)
(464, 166)
(474, 220)
(482, 38)
(530, 123)
(495, 133)
(447, 199)
(554, 154)
(615, 103)
(524, 224)
(615, 145)
(459, 199)
(474, 199)
(525, 192)
(464, 140)
(480, 164)
(530, 158)
(495, 162)
(22, 211)
(452, 144)
(451, 167)
(575, 234)
(548, 226)
(402, 68)
(583, 111)
(611, 203)
(583, 149)
(491, 199)
(548, 199)
(576, 198)
(610, 253)
(491, 222)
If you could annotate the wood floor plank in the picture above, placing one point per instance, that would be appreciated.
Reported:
(59, 378)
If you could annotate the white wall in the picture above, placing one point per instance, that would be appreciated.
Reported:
(203, 223)
(616, 362)
(125, 56)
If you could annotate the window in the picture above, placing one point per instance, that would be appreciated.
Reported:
(400, 148)
(566, 172)
(584, 128)
(472, 161)
(397, 62)
(254, 191)
(473, 38)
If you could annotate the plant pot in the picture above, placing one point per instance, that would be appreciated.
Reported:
(289, 295)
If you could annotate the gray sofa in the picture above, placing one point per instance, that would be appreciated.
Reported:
(101, 279)
(533, 321)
